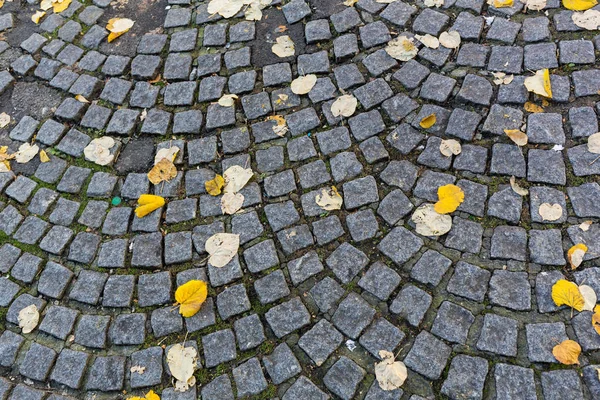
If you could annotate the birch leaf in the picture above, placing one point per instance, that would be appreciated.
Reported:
(222, 247)
(4, 120)
(231, 203)
(280, 128)
(402, 48)
(117, 27)
(589, 20)
(518, 137)
(81, 99)
(98, 150)
(227, 100)
(567, 352)
(26, 153)
(329, 199)
(593, 144)
(521, 191)
(28, 318)
(428, 40)
(284, 47)
(429, 222)
(149, 396)
(44, 156)
(550, 212)
(214, 186)
(182, 362)
(37, 17)
(163, 171)
(344, 105)
(169, 153)
(60, 5)
(575, 255)
(532, 107)
(428, 121)
(565, 293)
(225, 8)
(579, 5)
(589, 297)
(535, 5)
(350, 3)
(450, 147)
(190, 296)
(450, 197)
(303, 84)
(585, 225)
(450, 40)
(390, 374)
(540, 83)
(236, 178)
(433, 3)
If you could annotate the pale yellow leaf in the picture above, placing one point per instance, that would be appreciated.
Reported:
(585, 225)
(284, 47)
(450, 40)
(37, 17)
(539, 83)
(589, 297)
(593, 144)
(227, 100)
(28, 318)
(4, 120)
(329, 199)
(576, 254)
(390, 374)
(303, 84)
(521, 191)
(44, 156)
(450, 147)
(222, 247)
(182, 362)
(518, 137)
(236, 178)
(567, 352)
(231, 203)
(98, 150)
(26, 153)
(428, 40)
(170, 153)
(402, 48)
(589, 20)
(429, 222)
(550, 212)
(344, 106)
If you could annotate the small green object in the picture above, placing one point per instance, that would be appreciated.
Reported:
(115, 201)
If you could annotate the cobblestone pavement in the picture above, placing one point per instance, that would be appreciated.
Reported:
(303, 310)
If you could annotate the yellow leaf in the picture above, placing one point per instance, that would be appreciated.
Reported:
(329, 199)
(450, 197)
(539, 83)
(596, 320)
(1, 3)
(533, 108)
(43, 156)
(547, 85)
(147, 204)
(81, 99)
(214, 186)
(428, 121)
(190, 297)
(576, 254)
(567, 352)
(567, 293)
(502, 3)
(517, 136)
(149, 396)
(579, 5)
(164, 170)
(37, 17)
(60, 7)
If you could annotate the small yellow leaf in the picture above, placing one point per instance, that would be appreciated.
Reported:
(596, 320)
(517, 136)
(567, 352)
(214, 186)
(579, 5)
(36, 18)
(43, 156)
(533, 108)
(540, 83)
(576, 254)
(547, 85)
(565, 293)
(1, 3)
(81, 99)
(190, 296)
(60, 6)
(450, 197)
(329, 199)
(428, 121)
(502, 3)
(149, 396)
(164, 170)
(117, 27)
(147, 204)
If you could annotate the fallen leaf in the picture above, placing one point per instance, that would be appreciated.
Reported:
(540, 83)
(390, 374)
(500, 78)
(521, 191)
(500, 3)
(535, 5)
(567, 293)
(350, 3)
(149, 396)
(428, 121)
(532, 107)
(428, 40)
(593, 144)
(46, 4)
(579, 5)
(402, 48)
(575, 255)
(60, 5)
(227, 100)
(117, 27)
(281, 29)
(147, 204)
(26, 153)
(231, 203)
(280, 128)
(450, 197)
(170, 153)
(44, 157)
(589, 297)
(303, 84)
(567, 352)
(450, 147)
(81, 99)
(596, 325)
(156, 80)
(585, 225)
(1, 3)
(429, 222)
(344, 105)
(37, 17)
(4, 120)
(520, 138)
(222, 247)
(589, 20)
(225, 8)
(137, 369)
(550, 212)
(98, 150)
(329, 199)
(214, 186)
(5, 159)
(433, 3)
(190, 296)
(450, 40)
(163, 171)
(182, 362)
(28, 318)
(284, 47)
(236, 178)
